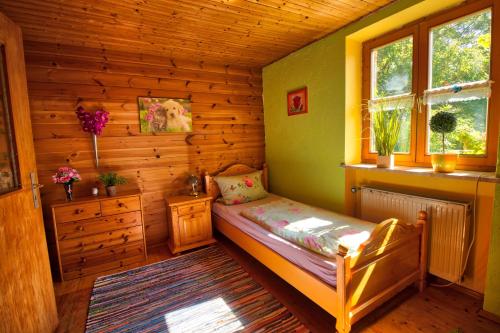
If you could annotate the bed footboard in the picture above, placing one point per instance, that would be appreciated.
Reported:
(393, 258)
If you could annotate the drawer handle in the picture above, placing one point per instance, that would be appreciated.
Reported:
(121, 204)
(192, 216)
(125, 239)
(191, 208)
(78, 211)
(83, 260)
(80, 228)
(121, 220)
(82, 244)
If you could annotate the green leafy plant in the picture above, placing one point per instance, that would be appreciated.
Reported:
(443, 123)
(387, 127)
(111, 179)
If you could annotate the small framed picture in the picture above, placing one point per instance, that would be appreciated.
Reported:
(297, 101)
(164, 114)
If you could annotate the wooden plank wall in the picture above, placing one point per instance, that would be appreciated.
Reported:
(227, 120)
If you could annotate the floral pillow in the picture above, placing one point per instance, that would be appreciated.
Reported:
(242, 188)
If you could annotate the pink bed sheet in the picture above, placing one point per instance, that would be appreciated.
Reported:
(322, 267)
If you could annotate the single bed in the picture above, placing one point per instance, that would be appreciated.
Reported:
(348, 286)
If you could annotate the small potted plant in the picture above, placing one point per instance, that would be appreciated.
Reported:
(443, 122)
(386, 129)
(110, 180)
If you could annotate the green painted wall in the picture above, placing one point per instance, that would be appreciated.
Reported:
(304, 151)
(492, 291)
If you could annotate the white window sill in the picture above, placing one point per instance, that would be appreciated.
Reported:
(488, 177)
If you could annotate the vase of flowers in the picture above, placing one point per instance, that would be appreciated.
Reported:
(67, 176)
(110, 180)
(93, 123)
(443, 122)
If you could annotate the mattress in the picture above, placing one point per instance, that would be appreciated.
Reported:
(322, 267)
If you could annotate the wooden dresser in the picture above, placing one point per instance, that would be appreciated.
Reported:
(97, 234)
(189, 222)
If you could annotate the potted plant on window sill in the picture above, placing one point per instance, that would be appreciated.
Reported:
(443, 122)
(386, 130)
(110, 180)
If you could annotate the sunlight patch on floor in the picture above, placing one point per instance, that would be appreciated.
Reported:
(212, 315)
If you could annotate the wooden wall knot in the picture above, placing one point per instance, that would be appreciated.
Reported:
(189, 139)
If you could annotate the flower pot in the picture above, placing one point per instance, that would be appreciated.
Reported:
(385, 161)
(444, 162)
(111, 191)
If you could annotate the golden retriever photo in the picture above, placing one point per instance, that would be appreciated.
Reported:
(159, 114)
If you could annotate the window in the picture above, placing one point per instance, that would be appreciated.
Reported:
(9, 180)
(460, 54)
(391, 87)
(440, 64)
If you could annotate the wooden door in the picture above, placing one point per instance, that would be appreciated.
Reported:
(27, 301)
(194, 228)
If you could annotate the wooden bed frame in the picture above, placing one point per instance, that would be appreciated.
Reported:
(393, 258)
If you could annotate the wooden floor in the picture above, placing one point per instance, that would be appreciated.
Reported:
(435, 310)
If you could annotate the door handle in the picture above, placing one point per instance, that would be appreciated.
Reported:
(34, 189)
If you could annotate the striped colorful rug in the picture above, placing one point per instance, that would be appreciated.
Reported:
(203, 291)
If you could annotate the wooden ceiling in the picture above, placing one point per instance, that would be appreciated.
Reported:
(243, 32)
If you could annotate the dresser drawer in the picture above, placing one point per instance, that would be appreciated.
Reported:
(120, 205)
(77, 229)
(98, 257)
(78, 211)
(83, 269)
(100, 241)
(190, 209)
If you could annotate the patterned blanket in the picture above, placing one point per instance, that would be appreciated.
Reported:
(316, 229)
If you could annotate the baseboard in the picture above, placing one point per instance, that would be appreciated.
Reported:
(461, 289)
(467, 291)
(489, 316)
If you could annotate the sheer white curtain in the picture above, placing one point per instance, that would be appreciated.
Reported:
(458, 92)
(400, 102)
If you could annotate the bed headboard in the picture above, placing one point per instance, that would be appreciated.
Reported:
(211, 187)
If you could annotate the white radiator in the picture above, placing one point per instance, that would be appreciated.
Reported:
(448, 230)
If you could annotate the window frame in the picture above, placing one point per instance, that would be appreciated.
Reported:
(368, 47)
(421, 31)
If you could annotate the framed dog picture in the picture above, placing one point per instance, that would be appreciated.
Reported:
(163, 114)
(297, 102)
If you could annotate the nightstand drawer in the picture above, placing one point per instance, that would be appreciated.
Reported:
(76, 229)
(195, 208)
(120, 205)
(76, 212)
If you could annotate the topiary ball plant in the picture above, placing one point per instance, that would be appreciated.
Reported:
(443, 122)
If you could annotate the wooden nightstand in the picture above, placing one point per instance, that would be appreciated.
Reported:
(189, 222)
